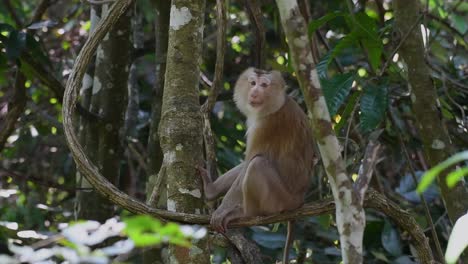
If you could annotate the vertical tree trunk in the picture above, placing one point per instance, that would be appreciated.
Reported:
(181, 121)
(434, 135)
(350, 216)
(109, 100)
(154, 146)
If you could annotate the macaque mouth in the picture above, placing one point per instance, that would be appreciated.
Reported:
(255, 103)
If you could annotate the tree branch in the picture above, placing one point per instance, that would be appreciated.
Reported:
(15, 108)
(207, 107)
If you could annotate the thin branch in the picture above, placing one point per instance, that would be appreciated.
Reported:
(14, 15)
(209, 139)
(15, 108)
(256, 19)
(367, 166)
(40, 10)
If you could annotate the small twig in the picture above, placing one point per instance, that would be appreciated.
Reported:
(154, 197)
(40, 10)
(256, 18)
(209, 139)
(138, 156)
(14, 15)
(462, 111)
(367, 166)
(348, 131)
(15, 108)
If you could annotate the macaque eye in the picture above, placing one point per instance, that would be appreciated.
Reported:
(264, 85)
(252, 83)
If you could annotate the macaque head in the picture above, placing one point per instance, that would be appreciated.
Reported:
(259, 93)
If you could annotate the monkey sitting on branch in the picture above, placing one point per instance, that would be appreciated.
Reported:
(279, 157)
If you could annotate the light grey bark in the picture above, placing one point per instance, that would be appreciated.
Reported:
(181, 125)
(350, 216)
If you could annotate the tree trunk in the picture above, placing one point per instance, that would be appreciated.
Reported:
(181, 121)
(154, 146)
(433, 132)
(350, 216)
(109, 100)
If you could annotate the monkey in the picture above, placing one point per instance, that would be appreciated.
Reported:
(279, 156)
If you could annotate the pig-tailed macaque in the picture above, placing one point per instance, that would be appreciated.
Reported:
(279, 158)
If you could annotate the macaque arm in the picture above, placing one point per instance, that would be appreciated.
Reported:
(222, 184)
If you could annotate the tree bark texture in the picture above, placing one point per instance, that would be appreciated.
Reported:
(155, 154)
(350, 216)
(432, 130)
(109, 101)
(180, 130)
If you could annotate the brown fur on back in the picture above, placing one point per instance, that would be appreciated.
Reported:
(284, 137)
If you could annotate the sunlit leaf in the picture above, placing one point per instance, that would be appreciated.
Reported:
(431, 174)
(454, 177)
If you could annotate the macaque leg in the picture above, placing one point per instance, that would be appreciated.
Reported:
(230, 208)
(264, 192)
(221, 185)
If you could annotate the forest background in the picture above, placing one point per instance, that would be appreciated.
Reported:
(393, 74)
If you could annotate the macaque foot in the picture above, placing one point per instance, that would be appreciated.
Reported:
(219, 222)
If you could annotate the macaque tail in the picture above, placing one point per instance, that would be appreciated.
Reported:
(287, 244)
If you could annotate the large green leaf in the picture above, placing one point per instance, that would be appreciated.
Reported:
(349, 40)
(367, 32)
(336, 90)
(373, 106)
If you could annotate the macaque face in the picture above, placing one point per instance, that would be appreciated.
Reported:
(259, 93)
(259, 89)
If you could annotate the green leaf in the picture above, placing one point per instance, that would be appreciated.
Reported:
(322, 66)
(336, 90)
(458, 240)
(431, 174)
(146, 231)
(314, 25)
(367, 32)
(459, 23)
(346, 42)
(352, 101)
(6, 28)
(454, 177)
(373, 106)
